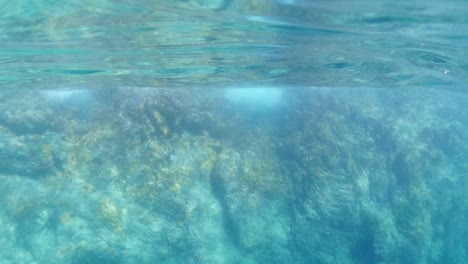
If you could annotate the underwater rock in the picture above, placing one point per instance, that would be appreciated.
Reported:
(31, 114)
(249, 210)
(167, 176)
(33, 156)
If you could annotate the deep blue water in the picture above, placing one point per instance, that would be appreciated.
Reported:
(233, 131)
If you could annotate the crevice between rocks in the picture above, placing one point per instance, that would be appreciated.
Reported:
(219, 191)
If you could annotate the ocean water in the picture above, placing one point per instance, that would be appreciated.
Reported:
(233, 131)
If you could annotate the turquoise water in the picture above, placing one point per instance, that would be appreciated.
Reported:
(224, 131)
(83, 44)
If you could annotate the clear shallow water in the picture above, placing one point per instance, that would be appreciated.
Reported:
(185, 43)
(227, 132)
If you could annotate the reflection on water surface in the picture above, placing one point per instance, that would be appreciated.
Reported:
(93, 44)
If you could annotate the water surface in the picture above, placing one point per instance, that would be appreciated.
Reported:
(101, 43)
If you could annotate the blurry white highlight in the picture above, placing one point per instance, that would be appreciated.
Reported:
(255, 96)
